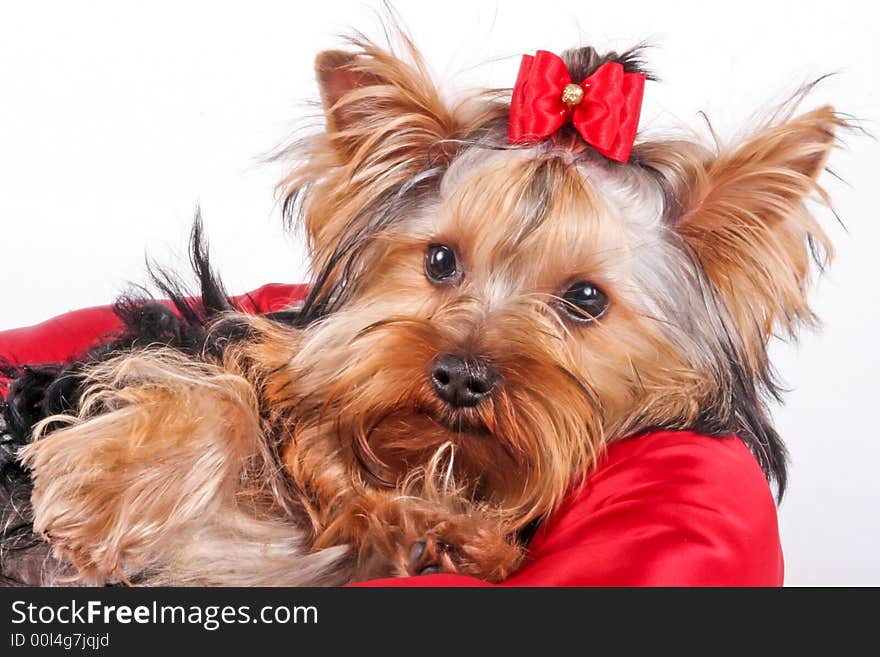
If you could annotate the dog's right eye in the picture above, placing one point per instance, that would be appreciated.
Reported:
(440, 264)
(584, 302)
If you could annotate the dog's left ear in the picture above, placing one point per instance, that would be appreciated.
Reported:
(742, 212)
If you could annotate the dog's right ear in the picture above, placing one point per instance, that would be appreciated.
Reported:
(339, 76)
(380, 107)
(388, 136)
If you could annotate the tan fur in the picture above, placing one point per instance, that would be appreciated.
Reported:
(323, 454)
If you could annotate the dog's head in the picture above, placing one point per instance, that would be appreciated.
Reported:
(527, 304)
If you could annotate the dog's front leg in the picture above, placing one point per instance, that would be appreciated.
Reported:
(155, 469)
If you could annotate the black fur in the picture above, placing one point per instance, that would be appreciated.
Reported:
(39, 391)
(583, 62)
(745, 415)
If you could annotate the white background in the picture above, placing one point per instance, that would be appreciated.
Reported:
(117, 118)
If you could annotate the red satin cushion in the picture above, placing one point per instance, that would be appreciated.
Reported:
(662, 509)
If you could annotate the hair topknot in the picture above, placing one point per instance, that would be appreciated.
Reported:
(583, 62)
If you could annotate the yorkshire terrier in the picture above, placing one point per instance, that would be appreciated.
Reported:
(500, 288)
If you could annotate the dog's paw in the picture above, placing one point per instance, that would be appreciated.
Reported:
(430, 557)
(404, 536)
(466, 546)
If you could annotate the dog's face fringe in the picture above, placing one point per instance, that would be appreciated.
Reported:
(703, 255)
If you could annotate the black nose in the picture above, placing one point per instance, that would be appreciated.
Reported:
(462, 382)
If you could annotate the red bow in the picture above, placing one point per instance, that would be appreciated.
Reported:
(604, 108)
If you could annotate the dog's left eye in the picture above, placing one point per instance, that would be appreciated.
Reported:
(440, 263)
(584, 301)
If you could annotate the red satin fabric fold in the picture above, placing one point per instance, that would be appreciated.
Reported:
(662, 509)
(607, 118)
(536, 107)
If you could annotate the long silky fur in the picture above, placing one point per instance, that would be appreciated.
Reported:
(316, 428)
(41, 399)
